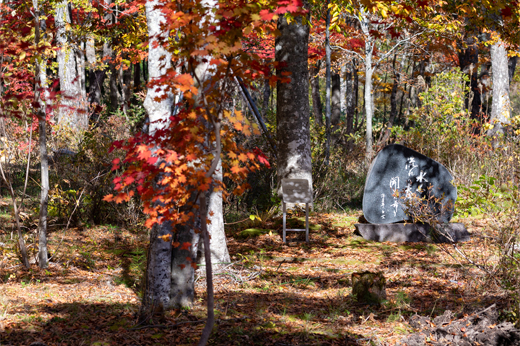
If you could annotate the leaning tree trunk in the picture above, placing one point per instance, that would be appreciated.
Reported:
(72, 111)
(158, 105)
(500, 107)
(292, 108)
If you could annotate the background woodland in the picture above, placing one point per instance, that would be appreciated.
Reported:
(150, 127)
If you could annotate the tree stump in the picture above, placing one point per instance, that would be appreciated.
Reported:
(368, 287)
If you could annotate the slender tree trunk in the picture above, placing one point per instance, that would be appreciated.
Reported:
(336, 100)
(266, 97)
(96, 77)
(293, 126)
(137, 78)
(500, 108)
(327, 86)
(393, 104)
(512, 67)
(369, 71)
(113, 78)
(468, 60)
(343, 89)
(356, 93)
(40, 85)
(350, 98)
(317, 107)
(125, 79)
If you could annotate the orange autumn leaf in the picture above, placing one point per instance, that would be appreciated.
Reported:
(242, 157)
(165, 237)
(238, 126)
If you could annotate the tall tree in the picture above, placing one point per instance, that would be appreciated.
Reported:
(158, 105)
(72, 112)
(292, 108)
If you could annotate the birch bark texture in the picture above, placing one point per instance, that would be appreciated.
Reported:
(366, 27)
(72, 112)
(292, 108)
(158, 105)
(219, 251)
(500, 107)
(41, 96)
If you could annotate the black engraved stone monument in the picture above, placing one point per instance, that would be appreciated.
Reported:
(399, 173)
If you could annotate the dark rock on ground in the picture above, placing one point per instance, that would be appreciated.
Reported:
(480, 328)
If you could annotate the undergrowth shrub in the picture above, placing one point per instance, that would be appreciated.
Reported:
(441, 128)
(338, 186)
(81, 180)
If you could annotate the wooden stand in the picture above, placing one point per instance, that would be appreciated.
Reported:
(296, 191)
(306, 230)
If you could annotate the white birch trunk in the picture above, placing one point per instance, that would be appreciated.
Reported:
(72, 112)
(501, 107)
(218, 245)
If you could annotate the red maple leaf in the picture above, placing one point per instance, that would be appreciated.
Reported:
(261, 157)
(266, 15)
(185, 246)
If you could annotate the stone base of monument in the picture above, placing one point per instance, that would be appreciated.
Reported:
(411, 232)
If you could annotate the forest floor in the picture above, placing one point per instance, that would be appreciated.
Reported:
(272, 294)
